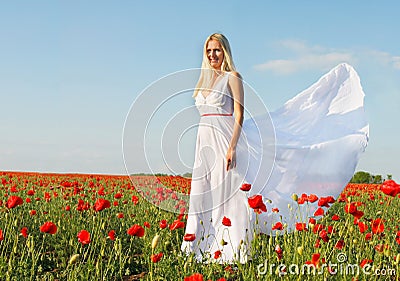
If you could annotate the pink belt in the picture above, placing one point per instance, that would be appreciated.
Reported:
(217, 114)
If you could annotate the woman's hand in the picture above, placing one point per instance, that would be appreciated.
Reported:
(230, 158)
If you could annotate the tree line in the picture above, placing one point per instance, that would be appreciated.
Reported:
(365, 177)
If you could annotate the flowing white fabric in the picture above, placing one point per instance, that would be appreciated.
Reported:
(319, 136)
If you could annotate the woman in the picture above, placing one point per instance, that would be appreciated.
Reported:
(320, 134)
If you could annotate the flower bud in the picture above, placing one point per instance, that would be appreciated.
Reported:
(295, 197)
(155, 241)
(300, 250)
(73, 259)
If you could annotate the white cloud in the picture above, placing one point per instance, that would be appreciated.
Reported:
(309, 61)
(308, 57)
(396, 62)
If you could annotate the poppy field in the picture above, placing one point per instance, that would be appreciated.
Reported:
(100, 227)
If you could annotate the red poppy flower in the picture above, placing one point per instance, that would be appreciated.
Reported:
(156, 257)
(68, 208)
(30, 192)
(398, 237)
(136, 230)
(312, 221)
(163, 224)
(352, 209)
(339, 244)
(275, 210)
(365, 262)
(146, 224)
(300, 226)
(325, 201)
(48, 227)
(319, 212)
(277, 226)
(24, 232)
(217, 254)
(101, 191)
(1, 235)
(189, 237)
(390, 187)
(302, 199)
(362, 226)
(226, 221)
(318, 227)
(323, 234)
(32, 212)
(28, 200)
(118, 195)
(111, 234)
(135, 199)
(256, 203)
(84, 237)
(101, 204)
(245, 187)
(335, 217)
(14, 201)
(194, 277)
(120, 215)
(368, 236)
(314, 259)
(279, 252)
(377, 226)
(177, 224)
(312, 198)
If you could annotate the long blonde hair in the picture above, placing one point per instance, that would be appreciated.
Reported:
(206, 68)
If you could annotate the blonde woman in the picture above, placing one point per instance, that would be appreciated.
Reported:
(320, 134)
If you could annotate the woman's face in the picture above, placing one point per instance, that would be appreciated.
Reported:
(215, 54)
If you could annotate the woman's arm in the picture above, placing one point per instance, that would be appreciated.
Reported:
(236, 85)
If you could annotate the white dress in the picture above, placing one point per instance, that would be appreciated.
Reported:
(319, 136)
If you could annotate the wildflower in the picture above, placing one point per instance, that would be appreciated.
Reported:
(245, 187)
(111, 234)
(319, 212)
(256, 203)
(226, 221)
(335, 217)
(156, 257)
(48, 227)
(101, 204)
(277, 226)
(339, 244)
(364, 262)
(24, 232)
(14, 201)
(177, 224)
(136, 230)
(163, 224)
(300, 226)
(189, 237)
(194, 277)
(84, 237)
(377, 226)
(217, 254)
(390, 187)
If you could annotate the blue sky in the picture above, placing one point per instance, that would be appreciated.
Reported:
(70, 70)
